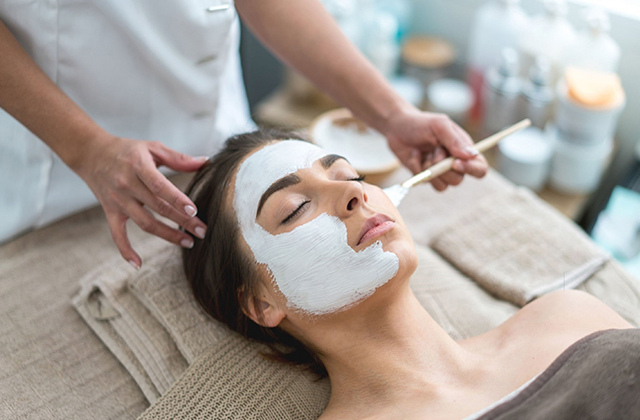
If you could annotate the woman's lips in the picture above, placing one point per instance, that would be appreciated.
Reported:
(375, 226)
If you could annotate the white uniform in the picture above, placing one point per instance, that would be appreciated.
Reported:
(166, 70)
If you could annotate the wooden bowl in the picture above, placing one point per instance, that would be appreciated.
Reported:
(339, 132)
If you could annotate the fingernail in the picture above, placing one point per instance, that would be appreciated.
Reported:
(190, 210)
(187, 243)
(202, 158)
(134, 264)
(200, 231)
(471, 150)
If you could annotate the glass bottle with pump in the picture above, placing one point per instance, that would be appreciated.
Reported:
(538, 94)
(594, 48)
(501, 92)
(497, 25)
(548, 35)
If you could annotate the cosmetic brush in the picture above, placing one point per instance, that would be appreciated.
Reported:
(396, 193)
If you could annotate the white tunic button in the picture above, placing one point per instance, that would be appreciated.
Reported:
(217, 8)
(206, 59)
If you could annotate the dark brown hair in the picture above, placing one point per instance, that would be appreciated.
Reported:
(218, 269)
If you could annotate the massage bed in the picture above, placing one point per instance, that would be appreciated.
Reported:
(83, 335)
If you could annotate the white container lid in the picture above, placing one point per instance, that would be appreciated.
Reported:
(529, 146)
(450, 96)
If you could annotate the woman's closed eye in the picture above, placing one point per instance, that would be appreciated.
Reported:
(295, 213)
(299, 210)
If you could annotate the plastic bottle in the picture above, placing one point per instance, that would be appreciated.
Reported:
(346, 12)
(381, 45)
(497, 25)
(401, 11)
(538, 93)
(594, 48)
(548, 34)
(501, 92)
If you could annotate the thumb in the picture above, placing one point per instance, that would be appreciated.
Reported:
(168, 157)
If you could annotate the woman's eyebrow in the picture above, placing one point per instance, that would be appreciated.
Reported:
(284, 182)
(292, 179)
(328, 160)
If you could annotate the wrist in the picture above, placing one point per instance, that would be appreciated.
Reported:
(81, 157)
(394, 116)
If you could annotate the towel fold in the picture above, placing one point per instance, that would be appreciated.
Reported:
(163, 289)
(518, 248)
(139, 341)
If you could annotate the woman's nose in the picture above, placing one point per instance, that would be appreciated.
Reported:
(352, 197)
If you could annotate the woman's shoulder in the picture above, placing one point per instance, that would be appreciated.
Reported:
(551, 323)
(570, 310)
(570, 314)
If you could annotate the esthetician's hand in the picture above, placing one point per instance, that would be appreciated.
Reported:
(123, 175)
(421, 139)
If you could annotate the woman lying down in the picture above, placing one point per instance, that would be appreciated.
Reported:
(304, 256)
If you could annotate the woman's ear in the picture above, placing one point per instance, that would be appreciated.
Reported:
(262, 310)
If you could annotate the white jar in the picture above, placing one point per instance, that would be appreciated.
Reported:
(452, 97)
(577, 168)
(497, 25)
(524, 158)
(583, 124)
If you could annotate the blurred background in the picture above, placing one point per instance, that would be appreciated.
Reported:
(572, 67)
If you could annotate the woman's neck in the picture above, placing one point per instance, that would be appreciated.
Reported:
(395, 353)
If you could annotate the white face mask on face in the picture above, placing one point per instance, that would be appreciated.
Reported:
(313, 265)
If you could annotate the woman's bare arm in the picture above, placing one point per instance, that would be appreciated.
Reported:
(305, 36)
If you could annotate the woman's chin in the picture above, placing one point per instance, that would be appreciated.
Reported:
(408, 262)
(404, 248)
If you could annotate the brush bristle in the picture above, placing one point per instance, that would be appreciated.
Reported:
(396, 193)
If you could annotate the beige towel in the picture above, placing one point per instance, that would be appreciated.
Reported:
(163, 289)
(134, 336)
(231, 381)
(518, 248)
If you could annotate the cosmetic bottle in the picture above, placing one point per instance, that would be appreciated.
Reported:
(538, 94)
(548, 35)
(501, 92)
(381, 46)
(498, 24)
(594, 48)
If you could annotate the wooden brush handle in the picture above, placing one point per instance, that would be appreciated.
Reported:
(445, 164)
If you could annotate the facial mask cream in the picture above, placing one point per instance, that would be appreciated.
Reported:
(313, 265)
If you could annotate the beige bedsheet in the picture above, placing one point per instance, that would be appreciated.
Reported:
(53, 366)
